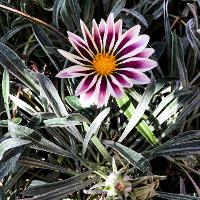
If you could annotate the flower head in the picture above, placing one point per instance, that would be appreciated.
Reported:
(117, 183)
(108, 60)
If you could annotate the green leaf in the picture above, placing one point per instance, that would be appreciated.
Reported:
(137, 115)
(184, 113)
(74, 102)
(11, 143)
(173, 108)
(194, 42)
(45, 43)
(128, 109)
(17, 173)
(159, 48)
(88, 10)
(52, 95)
(95, 125)
(2, 195)
(36, 163)
(183, 148)
(56, 7)
(38, 142)
(167, 32)
(101, 148)
(186, 143)
(62, 192)
(138, 16)
(75, 12)
(183, 74)
(48, 187)
(136, 159)
(23, 105)
(60, 122)
(165, 101)
(4, 123)
(11, 61)
(66, 17)
(12, 32)
(173, 196)
(8, 166)
(6, 91)
(118, 7)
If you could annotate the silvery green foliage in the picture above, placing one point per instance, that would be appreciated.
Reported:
(51, 147)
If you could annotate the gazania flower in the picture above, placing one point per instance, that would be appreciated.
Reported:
(107, 60)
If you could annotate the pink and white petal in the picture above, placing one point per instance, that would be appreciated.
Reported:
(118, 29)
(86, 83)
(87, 99)
(136, 76)
(77, 39)
(96, 35)
(74, 71)
(115, 90)
(72, 57)
(103, 94)
(147, 52)
(134, 48)
(126, 37)
(82, 51)
(120, 79)
(109, 36)
(88, 37)
(91, 96)
(132, 42)
(141, 64)
(102, 28)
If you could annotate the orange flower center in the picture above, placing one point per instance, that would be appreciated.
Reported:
(104, 64)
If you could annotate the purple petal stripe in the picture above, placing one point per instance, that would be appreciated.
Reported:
(85, 84)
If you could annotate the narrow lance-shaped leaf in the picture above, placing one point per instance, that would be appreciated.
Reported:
(101, 148)
(62, 192)
(36, 163)
(194, 42)
(181, 64)
(136, 159)
(184, 144)
(11, 143)
(137, 115)
(75, 12)
(47, 187)
(11, 61)
(184, 113)
(94, 128)
(38, 141)
(60, 122)
(44, 42)
(173, 196)
(128, 109)
(6, 91)
(167, 29)
(118, 7)
(2, 195)
(8, 166)
(138, 16)
(23, 105)
(66, 17)
(184, 148)
(12, 32)
(52, 95)
(56, 7)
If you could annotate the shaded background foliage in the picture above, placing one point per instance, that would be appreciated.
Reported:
(47, 137)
